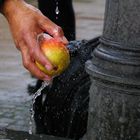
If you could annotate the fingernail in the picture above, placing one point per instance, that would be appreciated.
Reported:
(48, 67)
(64, 40)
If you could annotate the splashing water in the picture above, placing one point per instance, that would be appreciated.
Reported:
(36, 95)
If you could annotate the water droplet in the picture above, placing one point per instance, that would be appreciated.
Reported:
(30, 132)
(43, 98)
(57, 10)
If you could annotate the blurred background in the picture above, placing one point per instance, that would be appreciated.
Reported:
(15, 101)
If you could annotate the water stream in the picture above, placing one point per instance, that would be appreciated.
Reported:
(35, 96)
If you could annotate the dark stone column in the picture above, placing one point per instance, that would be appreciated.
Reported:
(114, 112)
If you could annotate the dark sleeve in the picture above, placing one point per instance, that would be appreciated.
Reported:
(1, 1)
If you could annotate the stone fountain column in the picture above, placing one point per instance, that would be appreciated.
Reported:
(114, 108)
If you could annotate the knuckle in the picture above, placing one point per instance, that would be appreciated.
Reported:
(26, 64)
(58, 30)
(19, 43)
(32, 51)
(23, 34)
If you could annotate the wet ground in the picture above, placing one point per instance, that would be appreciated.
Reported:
(6, 134)
(14, 99)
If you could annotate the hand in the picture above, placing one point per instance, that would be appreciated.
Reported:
(26, 22)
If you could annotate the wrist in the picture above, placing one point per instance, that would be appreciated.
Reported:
(10, 7)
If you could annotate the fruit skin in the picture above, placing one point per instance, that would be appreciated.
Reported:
(57, 53)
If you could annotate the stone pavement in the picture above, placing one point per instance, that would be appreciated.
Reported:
(89, 18)
(14, 99)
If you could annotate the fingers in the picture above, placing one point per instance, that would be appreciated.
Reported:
(30, 53)
(36, 53)
(54, 30)
(31, 66)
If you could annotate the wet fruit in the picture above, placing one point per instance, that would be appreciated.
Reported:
(57, 53)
